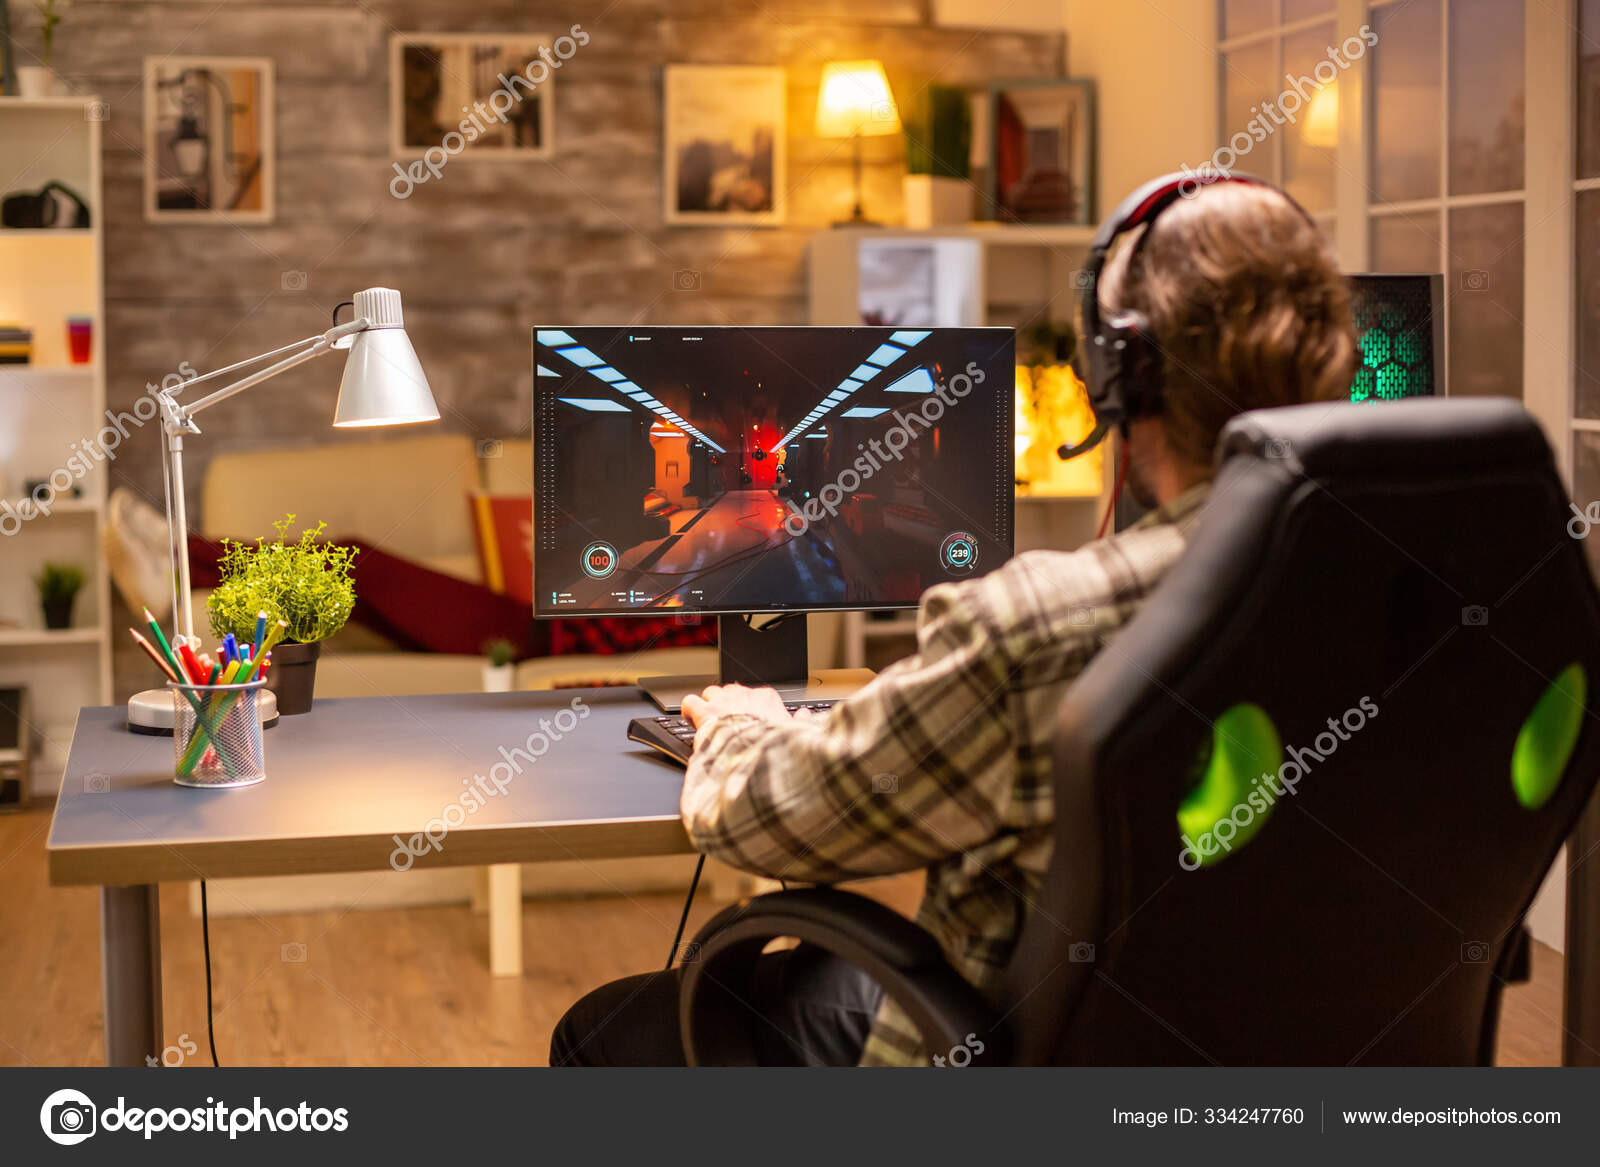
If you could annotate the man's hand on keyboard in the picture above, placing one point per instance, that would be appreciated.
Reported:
(721, 700)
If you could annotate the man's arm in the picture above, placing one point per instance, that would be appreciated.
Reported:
(915, 767)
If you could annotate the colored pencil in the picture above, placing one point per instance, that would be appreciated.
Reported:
(154, 655)
(261, 633)
(191, 664)
(161, 639)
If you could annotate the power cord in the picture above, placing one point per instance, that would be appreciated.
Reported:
(683, 920)
(205, 942)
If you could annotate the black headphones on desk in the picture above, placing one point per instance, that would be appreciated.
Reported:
(1124, 359)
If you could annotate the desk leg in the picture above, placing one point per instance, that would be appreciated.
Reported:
(130, 972)
(505, 920)
(1581, 1024)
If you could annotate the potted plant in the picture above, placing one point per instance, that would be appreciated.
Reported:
(59, 584)
(305, 583)
(498, 671)
(40, 80)
(938, 158)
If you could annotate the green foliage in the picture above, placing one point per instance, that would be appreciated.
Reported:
(58, 583)
(501, 652)
(939, 133)
(305, 583)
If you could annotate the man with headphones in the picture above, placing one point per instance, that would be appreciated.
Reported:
(1223, 298)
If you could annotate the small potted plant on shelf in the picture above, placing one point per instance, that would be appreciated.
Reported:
(305, 583)
(59, 584)
(41, 80)
(498, 670)
(938, 158)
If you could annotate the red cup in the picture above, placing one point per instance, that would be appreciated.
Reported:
(80, 339)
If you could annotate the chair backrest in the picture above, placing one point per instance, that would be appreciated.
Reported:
(1389, 593)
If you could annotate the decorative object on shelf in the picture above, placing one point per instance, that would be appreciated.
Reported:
(80, 339)
(1041, 149)
(43, 492)
(1052, 407)
(383, 384)
(478, 95)
(208, 137)
(53, 205)
(854, 101)
(938, 189)
(59, 585)
(305, 584)
(724, 149)
(41, 80)
(14, 748)
(499, 671)
(16, 344)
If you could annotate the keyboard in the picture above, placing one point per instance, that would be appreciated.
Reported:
(674, 736)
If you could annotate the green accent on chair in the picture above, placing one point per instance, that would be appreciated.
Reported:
(1244, 746)
(1546, 740)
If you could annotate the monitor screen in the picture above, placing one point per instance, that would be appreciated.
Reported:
(767, 469)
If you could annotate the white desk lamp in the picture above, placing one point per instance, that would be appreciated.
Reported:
(383, 385)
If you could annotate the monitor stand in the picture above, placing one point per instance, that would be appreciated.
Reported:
(773, 656)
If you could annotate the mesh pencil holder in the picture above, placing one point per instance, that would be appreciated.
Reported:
(216, 738)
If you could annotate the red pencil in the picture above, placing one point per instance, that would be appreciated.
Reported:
(154, 655)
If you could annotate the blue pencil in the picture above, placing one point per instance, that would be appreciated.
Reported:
(261, 634)
(230, 647)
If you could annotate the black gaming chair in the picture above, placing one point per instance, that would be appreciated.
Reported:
(1386, 597)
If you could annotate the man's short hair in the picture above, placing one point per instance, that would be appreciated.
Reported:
(1247, 304)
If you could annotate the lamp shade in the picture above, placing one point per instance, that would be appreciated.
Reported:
(383, 380)
(855, 99)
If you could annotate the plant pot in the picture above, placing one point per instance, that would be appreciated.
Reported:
(293, 675)
(58, 612)
(498, 678)
(937, 202)
(36, 81)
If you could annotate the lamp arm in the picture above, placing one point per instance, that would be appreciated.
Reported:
(177, 420)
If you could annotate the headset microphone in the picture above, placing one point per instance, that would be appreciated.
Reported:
(1097, 435)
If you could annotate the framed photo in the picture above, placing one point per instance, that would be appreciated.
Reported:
(1041, 151)
(476, 95)
(208, 148)
(724, 144)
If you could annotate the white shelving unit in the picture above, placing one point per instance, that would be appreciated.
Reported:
(968, 275)
(51, 408)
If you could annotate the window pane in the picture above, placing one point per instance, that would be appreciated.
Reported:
(1589, 89)
(1294, 10)
(1242, 16)
(1484, 288)
(1309, 143)
(1586, 483)
(1249, 77)
(1587, 400)
(1406, 243)
(1406, 107)
(1487, 121)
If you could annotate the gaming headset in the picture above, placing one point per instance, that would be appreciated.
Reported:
(1124, 358)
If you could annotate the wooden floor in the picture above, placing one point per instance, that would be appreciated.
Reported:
(396, 987)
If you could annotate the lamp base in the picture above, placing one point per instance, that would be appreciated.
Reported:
(151, 711)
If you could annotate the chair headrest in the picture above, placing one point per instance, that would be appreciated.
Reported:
(1426, 435)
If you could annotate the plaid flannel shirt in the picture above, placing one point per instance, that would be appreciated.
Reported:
(943, 761)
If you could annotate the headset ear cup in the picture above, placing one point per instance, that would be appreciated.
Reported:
(1132, 362)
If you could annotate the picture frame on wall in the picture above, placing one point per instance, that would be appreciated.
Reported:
(1042, 151)
(209, 152)
(488, 96)
(724, 149)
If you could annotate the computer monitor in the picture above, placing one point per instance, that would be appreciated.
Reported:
(734, 471)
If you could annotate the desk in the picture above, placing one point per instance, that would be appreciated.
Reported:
(342, 782)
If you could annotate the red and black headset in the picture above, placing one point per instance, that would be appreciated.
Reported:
(1123, 355)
